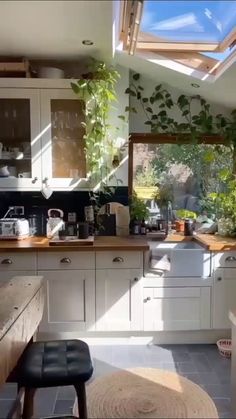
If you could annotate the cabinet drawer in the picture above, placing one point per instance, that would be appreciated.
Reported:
(17, 261)
(119, 260)
(225, 260)
(66, 260)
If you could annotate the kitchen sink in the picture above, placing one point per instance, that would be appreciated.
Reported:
(175, 245)
(178, 259)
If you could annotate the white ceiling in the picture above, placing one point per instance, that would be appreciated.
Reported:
(55, 29)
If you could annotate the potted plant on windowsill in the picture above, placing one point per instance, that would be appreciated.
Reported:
(225, 204)
(138, 213)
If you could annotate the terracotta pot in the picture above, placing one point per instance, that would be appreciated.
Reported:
(179, 226)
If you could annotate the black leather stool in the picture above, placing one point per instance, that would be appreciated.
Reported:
(51, 364)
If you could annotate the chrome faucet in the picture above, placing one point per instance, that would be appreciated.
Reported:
(169, 217)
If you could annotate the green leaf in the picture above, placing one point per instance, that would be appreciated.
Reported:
(159, 96)
(158, 87)
(185, 113)
(169, 103)
(148, 109)
(136, 76)
(122, 117)
(162, 113)
(75, 88)
(148, 123)
(140, 88)
(144, 99)
(129, 91)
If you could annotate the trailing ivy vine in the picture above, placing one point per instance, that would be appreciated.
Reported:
(97, 89)
(160, 107)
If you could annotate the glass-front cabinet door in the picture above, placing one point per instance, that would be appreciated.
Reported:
(20, 139)
(63, 155)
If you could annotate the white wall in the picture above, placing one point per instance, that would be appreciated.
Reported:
(137, 120)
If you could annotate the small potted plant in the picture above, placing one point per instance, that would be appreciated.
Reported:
(183, 214)
(138, 213)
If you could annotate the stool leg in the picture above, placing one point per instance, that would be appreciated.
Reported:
(28, 408)
(81, 399)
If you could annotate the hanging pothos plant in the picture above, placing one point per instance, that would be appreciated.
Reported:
(97, 90)
(160, 108)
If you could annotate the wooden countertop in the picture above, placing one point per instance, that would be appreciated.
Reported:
(100, 243)
(211, 242)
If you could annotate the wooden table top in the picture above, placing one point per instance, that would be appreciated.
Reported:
(15, 294)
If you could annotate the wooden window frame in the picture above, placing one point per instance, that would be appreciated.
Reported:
(133, 39)
(153, 138)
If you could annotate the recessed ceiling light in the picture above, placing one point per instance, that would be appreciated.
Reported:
(87, 42)
(195, 85)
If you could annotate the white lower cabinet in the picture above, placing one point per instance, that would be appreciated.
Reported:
(118, 299)
(224, 297)
(176, 308)
(70, 303)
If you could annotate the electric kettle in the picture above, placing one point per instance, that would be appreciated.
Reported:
(54, 222)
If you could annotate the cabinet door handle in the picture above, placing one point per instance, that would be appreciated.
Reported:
(65, 260)
(147, 299)
(230, 259)
(6, 262)
(135, 279)
(118, 259)
(35, 179)
(219, 278)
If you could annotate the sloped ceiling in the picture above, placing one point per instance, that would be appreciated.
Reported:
(220, 91)
(55, 29)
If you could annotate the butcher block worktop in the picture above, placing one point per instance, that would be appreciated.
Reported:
(100, 243)
(211, 242)
(105, 243)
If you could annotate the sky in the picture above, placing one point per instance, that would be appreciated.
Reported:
(208, 21)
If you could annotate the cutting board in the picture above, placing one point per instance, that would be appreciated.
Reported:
(71, 241)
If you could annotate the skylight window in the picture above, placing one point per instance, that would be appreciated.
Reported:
(200, 35)
(189, 21)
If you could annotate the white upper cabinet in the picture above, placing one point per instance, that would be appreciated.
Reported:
(41, 138)
(20, 148)
(63, 155)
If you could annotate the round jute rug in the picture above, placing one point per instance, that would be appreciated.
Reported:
(147, 393)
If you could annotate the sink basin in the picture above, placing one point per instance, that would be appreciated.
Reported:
(178, 259)
(175, 245)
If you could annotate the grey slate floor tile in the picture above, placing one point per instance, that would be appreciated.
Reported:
(201, 364)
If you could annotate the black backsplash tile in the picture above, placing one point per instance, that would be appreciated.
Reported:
(67, 201)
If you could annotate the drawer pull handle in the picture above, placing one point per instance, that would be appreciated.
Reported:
(65, 260)
(219, 278)
(230, 259)
(135, 279)
(35, 179)
(6, 262)
(118, 259)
